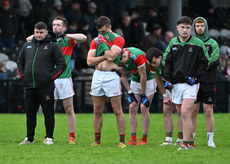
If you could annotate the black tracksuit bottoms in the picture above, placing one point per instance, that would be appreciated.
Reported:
(32, 99)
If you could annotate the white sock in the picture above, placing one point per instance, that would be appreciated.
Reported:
(169, 139)
(210, 136)
(179, 140)
(194, 135)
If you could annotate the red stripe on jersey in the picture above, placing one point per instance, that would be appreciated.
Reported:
(19, 74)
(120, 42)
(140, 60)
(69, 49)
(56, 75)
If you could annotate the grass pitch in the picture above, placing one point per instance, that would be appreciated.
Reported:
(13, 131)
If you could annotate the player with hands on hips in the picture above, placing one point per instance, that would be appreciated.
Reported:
(156, 63)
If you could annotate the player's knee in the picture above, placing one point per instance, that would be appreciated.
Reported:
(209, 113)
(69, 109)
(133, 108)
(118, 112)
(144, 109)
(97, 112)
(185, 114)
(167, 112)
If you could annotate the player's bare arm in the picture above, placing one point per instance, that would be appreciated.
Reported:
(124, 80)
(161, 87)
(112, 54)
(78, 37)
(143, 78)
(92, 60)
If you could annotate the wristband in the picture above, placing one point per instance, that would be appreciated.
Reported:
(165, 95)
(130, 91)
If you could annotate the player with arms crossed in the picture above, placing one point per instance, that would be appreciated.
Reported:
(105, 53)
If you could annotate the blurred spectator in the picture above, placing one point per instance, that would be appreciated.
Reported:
(108, 8)
(222, 70)
(163, 43)
(152, 19)
(125, 28)
(91, 17)
(121, 6)
(73, 12)
(3, 76)
(41, 12)
(205, 9)
(56, 11)
(85, 5)
(151, 39)
(24, 8)
(8, 25)
(137, 28)
(83, 48)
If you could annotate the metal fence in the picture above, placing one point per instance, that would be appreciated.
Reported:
(11, 95)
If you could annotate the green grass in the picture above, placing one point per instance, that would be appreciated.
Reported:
(13, 131)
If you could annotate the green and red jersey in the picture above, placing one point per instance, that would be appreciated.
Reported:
(137, 59)
(159, 70)
(67, 45)
(111, 39)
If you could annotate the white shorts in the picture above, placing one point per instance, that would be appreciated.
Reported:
(105, 83)
(182, 91)
(151, 86)
(63, 88)
(169, 93)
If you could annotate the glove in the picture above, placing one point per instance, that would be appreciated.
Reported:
(60, 35)
(168, 85)
(191, 80)
(144, 100)
(132, 98)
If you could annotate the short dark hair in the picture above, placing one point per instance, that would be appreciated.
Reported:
(40, 25)
(65, 22)
(103, 21)
(184, 20)
(153, 52)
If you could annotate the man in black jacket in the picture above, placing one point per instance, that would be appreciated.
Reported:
(40, 62)
(186, 61)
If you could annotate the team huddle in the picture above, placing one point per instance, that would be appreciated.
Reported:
(188, 68)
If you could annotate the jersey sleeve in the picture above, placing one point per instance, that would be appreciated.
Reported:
(119, 42)
(72, 42)
(140, 61)
(213, 60)
(93, 45)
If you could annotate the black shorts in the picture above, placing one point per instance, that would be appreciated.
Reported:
(207, 93)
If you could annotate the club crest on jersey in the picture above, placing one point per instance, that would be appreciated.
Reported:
(209, 99)
(208, 47)
(190, 49)
(107, 36)
(47, 97)
(174, 48)
(45, 47)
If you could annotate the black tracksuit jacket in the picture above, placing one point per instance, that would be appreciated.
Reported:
(189, 58)
(40, 63)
